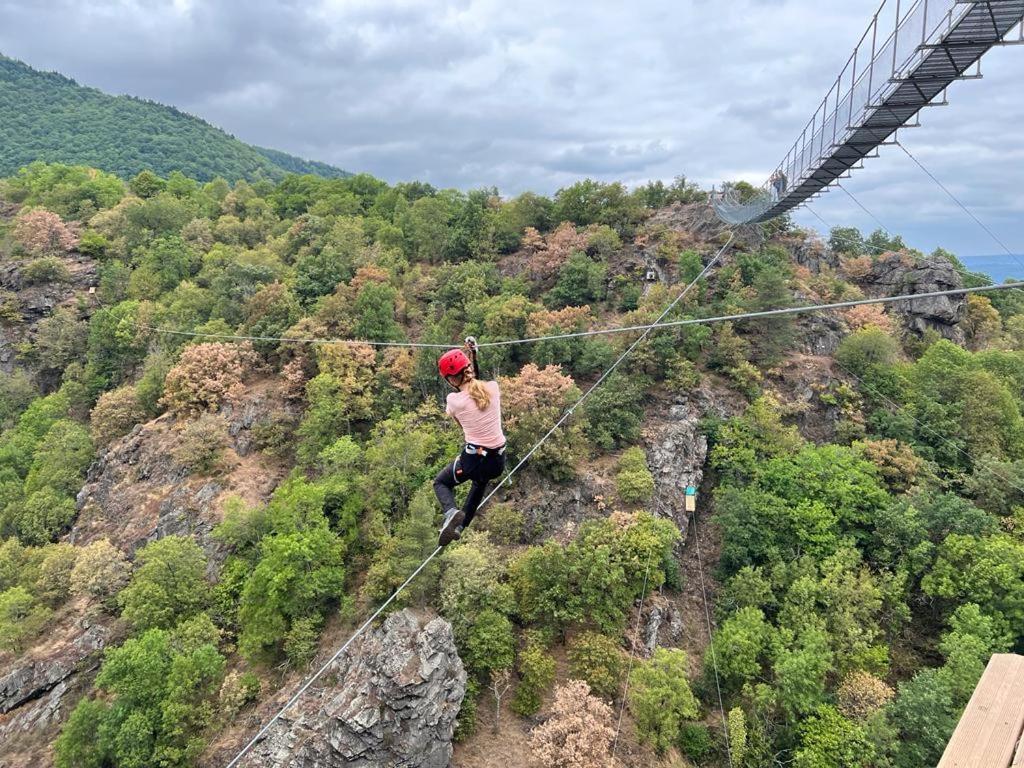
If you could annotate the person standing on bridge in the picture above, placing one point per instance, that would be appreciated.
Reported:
(778, 182)
(476, 407)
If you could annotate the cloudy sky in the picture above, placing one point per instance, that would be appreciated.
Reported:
(534, 94)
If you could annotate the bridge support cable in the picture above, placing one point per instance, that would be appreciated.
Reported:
(956, 200)
(582, 398)
(906, 59)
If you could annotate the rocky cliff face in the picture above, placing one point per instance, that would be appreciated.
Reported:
(394, 703)
(137, 492)
(38, 690)
(37, 301)
(894, 274)
(676, 452)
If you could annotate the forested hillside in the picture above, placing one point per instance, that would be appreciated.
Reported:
(46, 116)
(191, 522)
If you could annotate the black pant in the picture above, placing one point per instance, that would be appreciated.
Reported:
(480, 470)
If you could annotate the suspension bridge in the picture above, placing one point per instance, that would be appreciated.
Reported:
(911, 52)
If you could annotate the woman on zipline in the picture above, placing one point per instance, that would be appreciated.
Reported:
(476, 407)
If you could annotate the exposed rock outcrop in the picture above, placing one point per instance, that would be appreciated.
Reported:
(896, 273)
(35, 689)
(676, 452)
(700, 221)
(136, 492)
(813, 254)
(37, 301)
(395, 703)
(654, 619)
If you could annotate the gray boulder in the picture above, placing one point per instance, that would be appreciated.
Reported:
(395, 703)
(898, 273)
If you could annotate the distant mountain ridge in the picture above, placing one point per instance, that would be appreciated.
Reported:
(47, 116)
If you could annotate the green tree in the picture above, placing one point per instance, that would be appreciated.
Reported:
(61, 460)
(847, 240)
(581, 280)
(867, 347)
(802, 662)
(22, 617)
(375, 313)
(536, 676)
(986, 571)
(599, 661)
(739, 645)
(490, 644)
(270, 311)
(614, 412)
(168, 585)
(593, 202)
(829, 740)
(59, 340)
(634, 480)
(77, 745)
(162, 687)
(425, 225)
(42, 516)
(147, 184)
(297, 575)
(660, 698)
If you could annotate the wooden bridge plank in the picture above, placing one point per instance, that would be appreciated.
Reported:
(991, 725)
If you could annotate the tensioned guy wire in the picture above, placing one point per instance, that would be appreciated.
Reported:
(362, 627)
(711, 639)
(957, 200)
(632, 654)
(627, 328)
(863, 207)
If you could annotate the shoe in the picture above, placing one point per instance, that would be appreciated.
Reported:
(452, 527)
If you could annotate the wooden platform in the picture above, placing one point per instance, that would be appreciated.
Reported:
(990, 729)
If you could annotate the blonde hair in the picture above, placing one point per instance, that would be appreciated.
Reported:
(478, 391)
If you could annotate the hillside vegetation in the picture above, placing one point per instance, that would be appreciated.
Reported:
(862, 512)
(49, 117)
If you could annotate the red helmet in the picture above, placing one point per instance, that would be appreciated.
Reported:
(452, 363)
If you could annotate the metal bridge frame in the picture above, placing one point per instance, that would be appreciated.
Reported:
(883, 86)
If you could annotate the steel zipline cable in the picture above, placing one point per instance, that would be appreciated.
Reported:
(647, 327)
(362, 627)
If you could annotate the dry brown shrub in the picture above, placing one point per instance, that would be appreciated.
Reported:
(855, 267)
(114, 414)
(579, 732)
(101, 571)
(202, 444)
(861, 694)
(546, 255)
(44, 233)
(531, 390)
(366, 275)
(548, 320)
(897, 463)
(868, 314)
(207, 376)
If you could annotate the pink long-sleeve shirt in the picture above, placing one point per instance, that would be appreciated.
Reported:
(481, 427)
